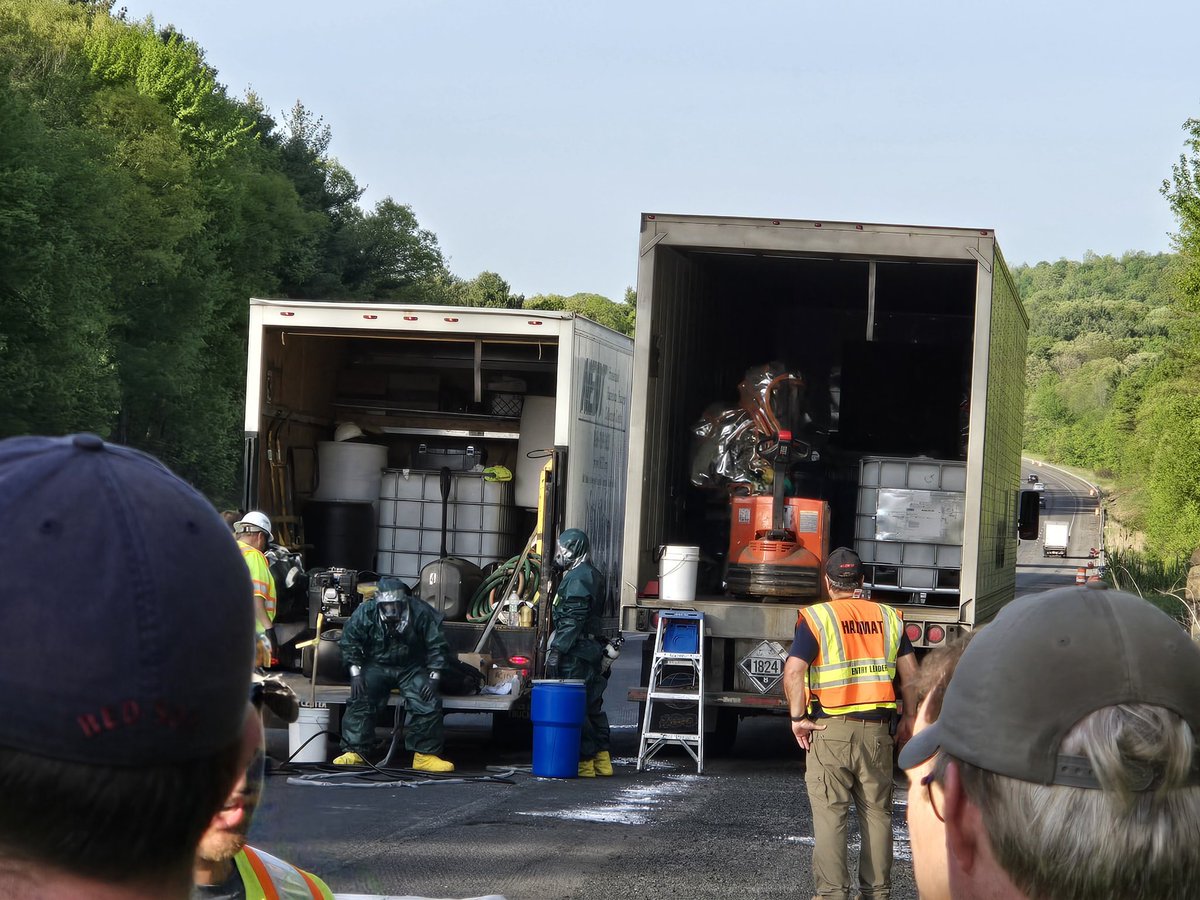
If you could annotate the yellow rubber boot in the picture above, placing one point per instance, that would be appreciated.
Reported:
(602, 762)
(431, 762)
(349, 758)
(587, 768)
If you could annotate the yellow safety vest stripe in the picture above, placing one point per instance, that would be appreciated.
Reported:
(260, 577)
(855, 680)
(267, 877)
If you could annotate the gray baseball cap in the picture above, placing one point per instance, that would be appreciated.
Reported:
(1046, 662)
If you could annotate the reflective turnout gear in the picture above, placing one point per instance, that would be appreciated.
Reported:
(431, 762)
(391, 660)
(602, 762)
(262, 580)
(267, 877)
(578, 605)
(858, 640)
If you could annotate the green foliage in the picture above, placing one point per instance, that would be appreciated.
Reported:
(490, 290)
(618, 316)
(1160, 581)
(141, 206)
(1182, 191)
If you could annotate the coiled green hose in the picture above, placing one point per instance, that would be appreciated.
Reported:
(528, 582)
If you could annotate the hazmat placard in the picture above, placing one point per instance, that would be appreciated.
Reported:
(764, 665)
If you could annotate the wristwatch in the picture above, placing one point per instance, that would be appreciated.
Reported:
(799, 718)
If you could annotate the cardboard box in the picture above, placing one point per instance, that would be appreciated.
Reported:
(499, 675)
(481, 661)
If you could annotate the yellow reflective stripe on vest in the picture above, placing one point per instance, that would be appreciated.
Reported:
(857, 679)
(260, 577)
(268, 877)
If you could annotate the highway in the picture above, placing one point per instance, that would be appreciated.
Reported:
(1068, 499)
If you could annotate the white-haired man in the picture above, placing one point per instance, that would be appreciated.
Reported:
(1064, 759)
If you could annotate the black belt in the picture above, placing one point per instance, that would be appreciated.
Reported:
(854, 718)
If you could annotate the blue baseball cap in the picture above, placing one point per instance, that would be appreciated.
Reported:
(132, 602)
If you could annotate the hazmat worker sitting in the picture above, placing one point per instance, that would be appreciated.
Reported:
(578, 605)
(395, 642)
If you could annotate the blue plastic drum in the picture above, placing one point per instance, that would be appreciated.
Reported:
(557, 709)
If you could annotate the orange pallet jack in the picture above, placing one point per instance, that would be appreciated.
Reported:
(777, 543)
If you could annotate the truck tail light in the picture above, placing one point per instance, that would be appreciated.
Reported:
(912, 631)
(935, 634)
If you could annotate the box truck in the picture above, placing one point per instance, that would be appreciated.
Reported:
(354, 412)
(801, 385)
(1057, 539)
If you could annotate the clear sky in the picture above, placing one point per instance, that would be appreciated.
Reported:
(529, 135)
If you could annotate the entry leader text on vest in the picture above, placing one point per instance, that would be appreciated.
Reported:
(840, 683)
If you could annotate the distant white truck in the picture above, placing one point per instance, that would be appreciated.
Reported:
(1058, 536)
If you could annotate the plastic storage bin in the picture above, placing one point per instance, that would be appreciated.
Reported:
(681, 631)
(480, 520)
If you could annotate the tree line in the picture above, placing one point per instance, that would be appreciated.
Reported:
(141, 206)
(1113, 372)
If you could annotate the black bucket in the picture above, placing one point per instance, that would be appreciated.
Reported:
(342, 534)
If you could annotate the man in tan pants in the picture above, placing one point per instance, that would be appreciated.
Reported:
(839, 683)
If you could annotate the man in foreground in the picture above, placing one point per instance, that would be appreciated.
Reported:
(839, 680)
(926, 830)
(125, 699)
(1083, 705)
(227, 868)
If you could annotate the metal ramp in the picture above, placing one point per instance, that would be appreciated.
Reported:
(676, 685)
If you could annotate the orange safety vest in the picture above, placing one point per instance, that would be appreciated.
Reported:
(858, 641)
(268, 877)
(261, 578)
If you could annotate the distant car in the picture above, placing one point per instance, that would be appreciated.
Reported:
(1032, 478)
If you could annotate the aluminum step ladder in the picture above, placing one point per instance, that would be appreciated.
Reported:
(676, 684)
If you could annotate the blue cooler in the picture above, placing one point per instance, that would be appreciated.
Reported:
(557, 709)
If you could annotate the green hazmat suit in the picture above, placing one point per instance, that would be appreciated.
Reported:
(578, 604)
(395, 659)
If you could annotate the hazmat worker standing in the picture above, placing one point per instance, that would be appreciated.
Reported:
(578, 604)
(253, 532)
(395, 641)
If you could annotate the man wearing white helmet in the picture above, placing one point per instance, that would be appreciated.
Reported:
(253, 533)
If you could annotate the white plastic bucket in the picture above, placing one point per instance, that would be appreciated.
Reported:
(677, 573)
(312, 721)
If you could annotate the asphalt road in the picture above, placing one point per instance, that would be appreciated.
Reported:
(742, 829)
(1068, 499)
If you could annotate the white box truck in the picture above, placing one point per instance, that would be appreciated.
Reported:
(413, 389)
(909, 344)
(1057, 539)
